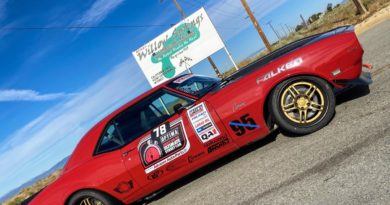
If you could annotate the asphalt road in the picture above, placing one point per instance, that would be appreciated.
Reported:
(347, 162)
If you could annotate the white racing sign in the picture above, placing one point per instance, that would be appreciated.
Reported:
(179, 48)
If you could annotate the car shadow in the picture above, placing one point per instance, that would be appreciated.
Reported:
(346, 95)
(212, 167)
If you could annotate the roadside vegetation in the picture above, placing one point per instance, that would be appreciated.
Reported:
(27, 192)
(332, 17)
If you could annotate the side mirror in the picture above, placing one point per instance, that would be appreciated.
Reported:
(178, 108)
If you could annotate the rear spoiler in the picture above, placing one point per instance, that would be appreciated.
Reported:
(342, 29)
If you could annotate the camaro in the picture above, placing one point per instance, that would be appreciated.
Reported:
(192, 120)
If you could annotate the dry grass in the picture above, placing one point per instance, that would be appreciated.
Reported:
(27, 192)
(345, 14)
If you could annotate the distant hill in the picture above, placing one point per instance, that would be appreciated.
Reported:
(32, 181)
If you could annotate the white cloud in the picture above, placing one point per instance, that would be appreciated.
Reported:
(28, 95)
(53, 135)
(98, 12)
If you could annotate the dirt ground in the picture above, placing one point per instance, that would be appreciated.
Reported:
(377, 18)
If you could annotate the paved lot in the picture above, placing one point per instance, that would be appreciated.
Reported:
(347, 162)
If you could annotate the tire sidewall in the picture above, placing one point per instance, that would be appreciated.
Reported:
(104, 198)
(295, 128)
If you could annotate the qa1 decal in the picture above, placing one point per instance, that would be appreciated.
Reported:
(165, 143)
(202, 123)
(183, 35)
(246, 122)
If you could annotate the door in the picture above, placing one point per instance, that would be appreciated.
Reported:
(165, 142)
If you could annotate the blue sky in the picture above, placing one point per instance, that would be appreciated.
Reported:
(57, 83)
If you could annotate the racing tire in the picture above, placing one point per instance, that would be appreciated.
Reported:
(303, 104)
(91, 197)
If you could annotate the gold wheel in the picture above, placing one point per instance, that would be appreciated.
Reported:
(90, 201)
(302, 102)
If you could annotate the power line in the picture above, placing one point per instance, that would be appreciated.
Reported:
(257, 25)
(6, 28)
(221, 12)
(231, 5)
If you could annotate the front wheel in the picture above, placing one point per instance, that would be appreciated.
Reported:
(303, 104)
(90, 197)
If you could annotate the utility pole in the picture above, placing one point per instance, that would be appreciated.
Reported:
(257, 25)
(183, 15)
(272, 27)
(303, 21)
(360, 6)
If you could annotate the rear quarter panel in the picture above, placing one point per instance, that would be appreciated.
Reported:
(249, 93)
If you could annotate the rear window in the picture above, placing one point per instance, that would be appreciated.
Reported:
(139, 119)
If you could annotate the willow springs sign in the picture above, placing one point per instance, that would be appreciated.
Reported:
(179, 48)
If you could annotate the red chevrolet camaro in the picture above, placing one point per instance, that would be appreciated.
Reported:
(190, 121)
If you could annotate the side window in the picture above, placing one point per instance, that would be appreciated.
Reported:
(170, 101)
(159, 108)
(110, 140)
(147, 114)
(139, 119)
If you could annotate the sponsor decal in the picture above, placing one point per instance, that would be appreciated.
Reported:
(218, 143)
(182, 79)
(176, 165)
(193, 158)
(165, 143)
(124, 187)
(292, 64)
(156, 174)
(202, 123)
(238, 106)
(246, 122)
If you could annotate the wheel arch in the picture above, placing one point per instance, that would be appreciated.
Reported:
(266, 107)
(90, 189)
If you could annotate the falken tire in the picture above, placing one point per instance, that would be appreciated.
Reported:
(287, 120)
(77, 198)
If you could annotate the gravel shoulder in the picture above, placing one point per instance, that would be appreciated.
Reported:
(347, 162)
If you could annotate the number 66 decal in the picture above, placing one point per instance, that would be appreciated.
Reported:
(243, 124)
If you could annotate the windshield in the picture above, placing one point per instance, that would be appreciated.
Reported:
(194, 84)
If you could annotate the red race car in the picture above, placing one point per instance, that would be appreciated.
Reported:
(192, 120)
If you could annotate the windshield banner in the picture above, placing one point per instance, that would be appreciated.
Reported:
(179, 48)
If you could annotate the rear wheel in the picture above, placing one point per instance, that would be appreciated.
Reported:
(302, 105)
(90, 197)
